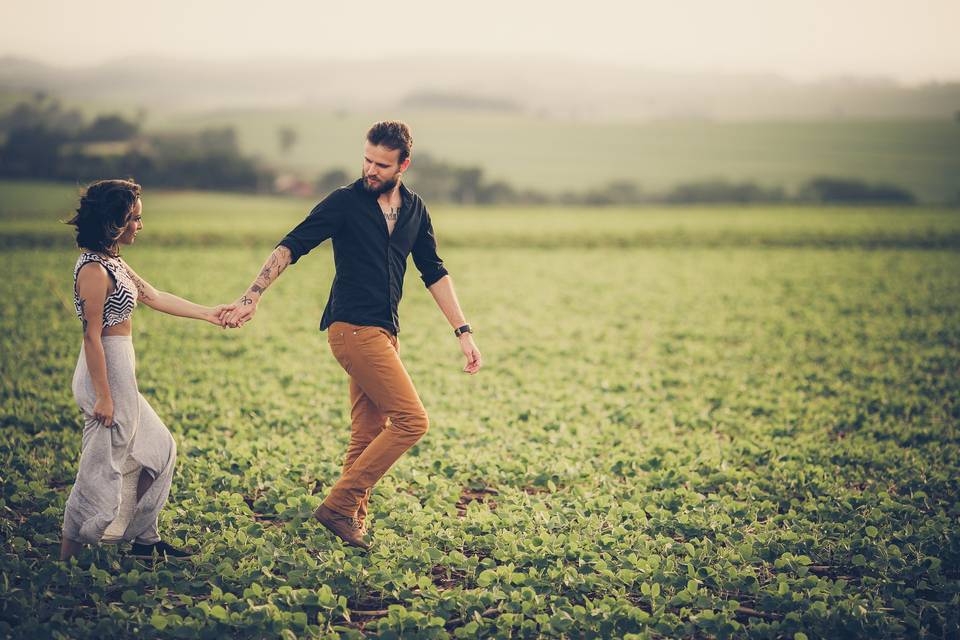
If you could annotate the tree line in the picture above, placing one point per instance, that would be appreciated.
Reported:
(439, 181)
(44, 140)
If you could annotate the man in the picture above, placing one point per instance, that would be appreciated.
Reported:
(375, 223)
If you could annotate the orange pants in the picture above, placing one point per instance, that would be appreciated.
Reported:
(386, 415)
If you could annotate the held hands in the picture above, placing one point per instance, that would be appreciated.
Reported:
(213, 314)
(103, 411)
(471, 352)
(239, 313)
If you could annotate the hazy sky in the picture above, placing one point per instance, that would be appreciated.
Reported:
(912, 41)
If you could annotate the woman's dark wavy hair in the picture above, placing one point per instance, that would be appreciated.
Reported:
(104, 211)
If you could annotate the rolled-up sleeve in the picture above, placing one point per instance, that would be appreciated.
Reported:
(322, 222)
(425, 255)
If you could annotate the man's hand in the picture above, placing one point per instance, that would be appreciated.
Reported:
(240, 312)
(471, 352)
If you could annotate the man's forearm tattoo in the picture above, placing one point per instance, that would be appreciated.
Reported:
(245, 300)
(267, 268)
(271, 270)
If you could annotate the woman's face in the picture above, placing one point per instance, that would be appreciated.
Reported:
(134, 224)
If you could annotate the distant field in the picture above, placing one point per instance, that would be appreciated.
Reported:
(568, 155)
(30, 215)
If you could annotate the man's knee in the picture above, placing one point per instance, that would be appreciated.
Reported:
(415, 423)
(423, 423)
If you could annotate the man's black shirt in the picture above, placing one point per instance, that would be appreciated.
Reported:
(370, 262)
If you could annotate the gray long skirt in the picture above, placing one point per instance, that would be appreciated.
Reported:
(103, 499)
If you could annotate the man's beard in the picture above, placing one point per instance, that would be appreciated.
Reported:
(383, 188)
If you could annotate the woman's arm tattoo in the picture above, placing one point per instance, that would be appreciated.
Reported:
(83, 315)
(141, 286)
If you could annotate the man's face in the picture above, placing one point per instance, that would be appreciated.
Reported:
(382, 168)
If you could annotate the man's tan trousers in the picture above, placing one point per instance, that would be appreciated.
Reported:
(387, 416)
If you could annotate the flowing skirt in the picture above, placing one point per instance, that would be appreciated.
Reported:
(103, 505)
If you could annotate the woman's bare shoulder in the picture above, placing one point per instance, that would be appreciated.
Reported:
(92, 272)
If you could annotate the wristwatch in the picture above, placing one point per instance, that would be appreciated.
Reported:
(461, 330)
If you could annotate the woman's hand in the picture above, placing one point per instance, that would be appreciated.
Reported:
(103, 411)
(215, 314)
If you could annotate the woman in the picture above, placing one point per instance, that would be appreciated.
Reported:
(127, 454)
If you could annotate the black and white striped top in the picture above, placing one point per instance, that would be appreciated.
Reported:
(120, 303)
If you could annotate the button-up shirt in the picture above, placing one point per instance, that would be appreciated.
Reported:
(370, 262)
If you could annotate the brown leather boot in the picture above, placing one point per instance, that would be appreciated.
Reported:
(344, 527)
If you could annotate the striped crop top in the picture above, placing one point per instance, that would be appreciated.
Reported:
(119, 304)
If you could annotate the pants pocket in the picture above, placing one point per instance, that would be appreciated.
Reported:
(339, 351)
(336, 337)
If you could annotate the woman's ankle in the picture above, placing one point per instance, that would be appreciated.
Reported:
(69, 548)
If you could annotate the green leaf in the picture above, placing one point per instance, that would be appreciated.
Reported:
(158, 620)
(486, 578)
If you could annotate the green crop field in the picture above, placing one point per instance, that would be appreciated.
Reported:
(568, 155)
(691, 423)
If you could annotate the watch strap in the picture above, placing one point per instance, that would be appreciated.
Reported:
(462, 330)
